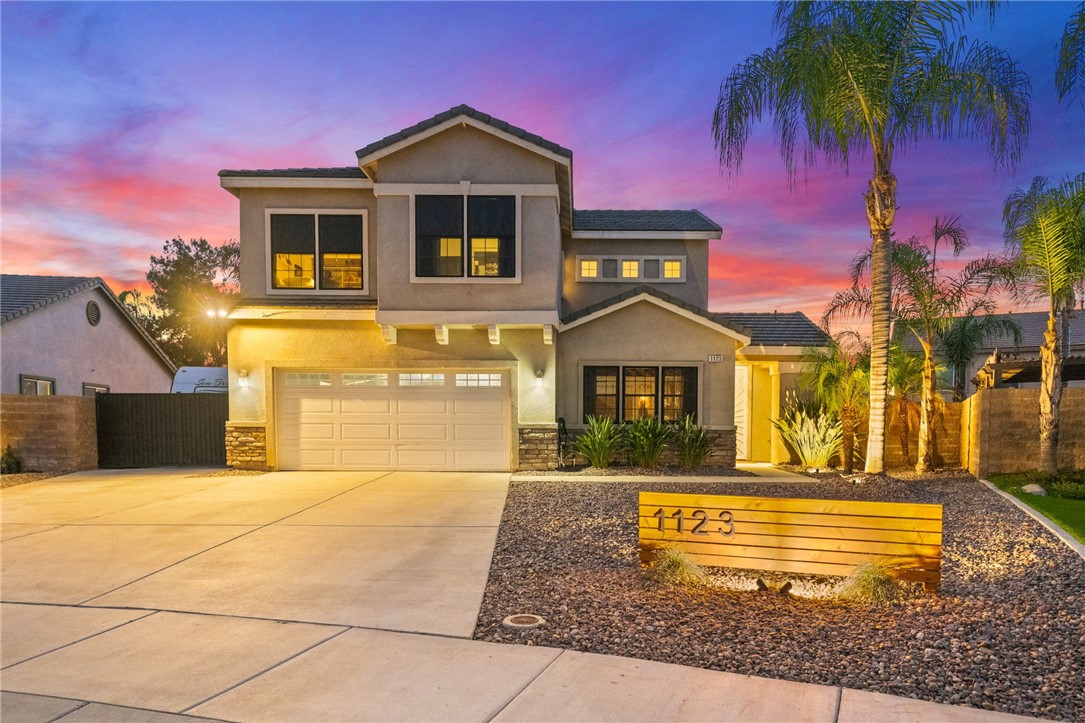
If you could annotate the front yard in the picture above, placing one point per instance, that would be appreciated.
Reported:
(1005, 632)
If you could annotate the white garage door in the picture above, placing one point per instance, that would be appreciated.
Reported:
(411, 420)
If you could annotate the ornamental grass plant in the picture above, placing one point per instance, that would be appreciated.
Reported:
(672, 566)
(645, 440)
(815, 436)
(600, 440)
(692, 445)
(871, 583)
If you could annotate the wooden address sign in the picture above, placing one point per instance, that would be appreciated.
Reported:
(820, 537)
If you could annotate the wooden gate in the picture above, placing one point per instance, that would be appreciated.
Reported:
(162, 430)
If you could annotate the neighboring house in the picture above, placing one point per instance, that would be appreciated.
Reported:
(1033, 326)
(441, 305)
(69, 335)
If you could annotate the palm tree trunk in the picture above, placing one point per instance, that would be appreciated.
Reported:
(847, 443)
(958, 383)
(903, 430)
(1050, 396)
(924, 457)
(880, 209)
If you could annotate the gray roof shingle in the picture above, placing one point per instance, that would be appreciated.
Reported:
(470, 112)
(615, 220)
(651, 291)
(341, 172)
(21, 294)
(775, 329)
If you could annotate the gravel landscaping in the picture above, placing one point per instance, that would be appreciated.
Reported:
(1005, 632)
(21, 478)
(711, 470)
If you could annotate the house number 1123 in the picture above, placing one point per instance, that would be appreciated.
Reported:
(725, 520)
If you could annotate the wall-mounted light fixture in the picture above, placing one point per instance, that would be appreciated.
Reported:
(538, 379)
(221, 313)
(242, 378)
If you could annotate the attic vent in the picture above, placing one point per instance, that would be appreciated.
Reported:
(94, 314)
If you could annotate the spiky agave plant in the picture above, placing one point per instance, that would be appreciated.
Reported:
(599, 441)
(815, 436)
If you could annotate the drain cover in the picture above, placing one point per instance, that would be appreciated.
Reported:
(523, 621)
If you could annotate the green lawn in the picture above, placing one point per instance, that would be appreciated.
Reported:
(1069, 514)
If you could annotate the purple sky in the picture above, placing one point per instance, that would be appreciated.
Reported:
(117, 116)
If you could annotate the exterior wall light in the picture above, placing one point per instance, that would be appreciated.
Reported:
(242, 378)
(538, 379)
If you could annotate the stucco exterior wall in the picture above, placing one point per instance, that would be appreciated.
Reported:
(579, 294)
(540, 263)
(254, 254)
(645, 333)
(465, 153)
(261, 347)
(58, 342)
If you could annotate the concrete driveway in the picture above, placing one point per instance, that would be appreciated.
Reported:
(157, 597)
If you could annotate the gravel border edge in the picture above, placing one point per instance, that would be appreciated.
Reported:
(1068, 539)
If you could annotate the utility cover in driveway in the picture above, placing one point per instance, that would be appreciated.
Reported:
(409, 420)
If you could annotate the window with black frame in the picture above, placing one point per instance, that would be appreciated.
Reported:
(601, 393)
(317, 251)
(438, 225)
(679, 393)
(483, 247)
(634, 392)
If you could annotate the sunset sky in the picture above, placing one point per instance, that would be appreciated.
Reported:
(116, 118)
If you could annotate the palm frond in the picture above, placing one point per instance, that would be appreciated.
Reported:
(1070, 72)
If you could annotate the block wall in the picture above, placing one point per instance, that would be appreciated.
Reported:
(50, 434)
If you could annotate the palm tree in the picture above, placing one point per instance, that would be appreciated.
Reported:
(905, 382)
(1070, 73)
(1045, 230)
(838, 378)
(959, 344)
(852, 77)
(924, 303)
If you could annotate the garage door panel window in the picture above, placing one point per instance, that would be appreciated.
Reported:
(628, 393)
(365, 380)
(318, 251)
(422, 379)
(308, 379)
(472, 379)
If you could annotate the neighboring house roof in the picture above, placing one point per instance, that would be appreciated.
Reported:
(775, 329)
(463, 110)
(647, 292)
(1033, 325)
(23, 294)
(612, 220)
(341, 172)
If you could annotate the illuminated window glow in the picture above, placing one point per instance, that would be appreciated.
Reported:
(484, 253)
(630, 269)
(295, 271)
(589, 268)
(672, 269)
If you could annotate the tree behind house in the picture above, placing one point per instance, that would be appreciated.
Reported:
(188, 280)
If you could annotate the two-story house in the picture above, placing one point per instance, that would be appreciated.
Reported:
(440, 305)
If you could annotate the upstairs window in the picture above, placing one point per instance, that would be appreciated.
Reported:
(317, 251)
(629, 269)
(442, 223)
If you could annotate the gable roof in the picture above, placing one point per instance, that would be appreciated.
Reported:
(23, 294)
(468, 111)
(651, 294)
(775, 329)
(615, 220)
(339, 172)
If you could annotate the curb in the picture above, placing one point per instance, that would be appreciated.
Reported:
(1069, 540)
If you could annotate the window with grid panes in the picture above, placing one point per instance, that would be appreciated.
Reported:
(601, 393)
(679, 393)
(639, 387)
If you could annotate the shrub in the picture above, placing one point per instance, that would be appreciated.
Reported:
(10, 462)
(599, 441)
(645, 440)
(870, 583)
(815, 436)
(674, 567)
(1067, 490)
(692, 444)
